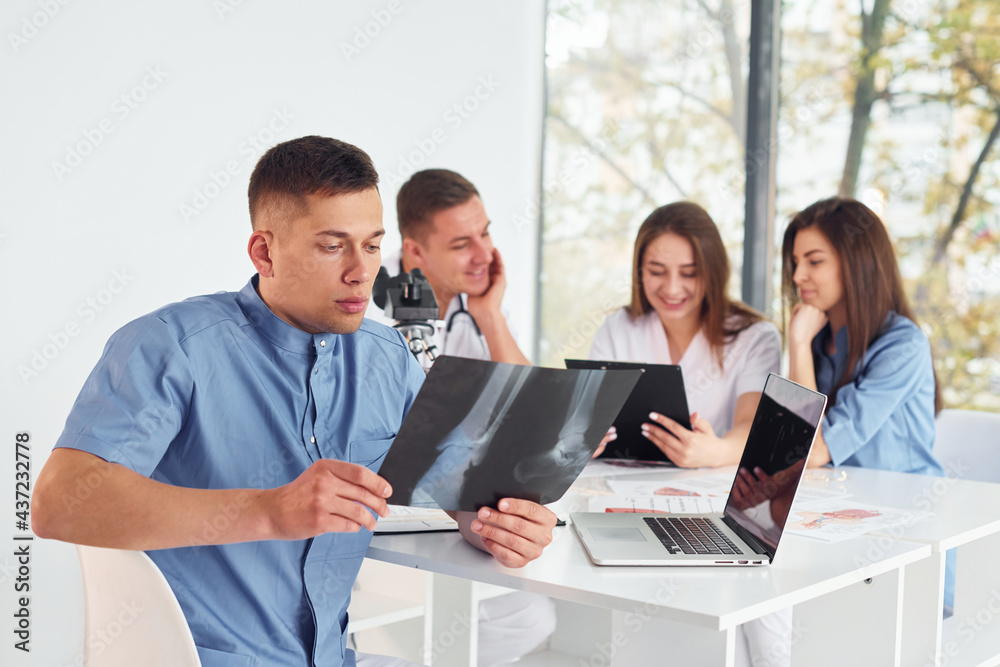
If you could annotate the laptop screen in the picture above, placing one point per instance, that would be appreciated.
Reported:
(774, 458)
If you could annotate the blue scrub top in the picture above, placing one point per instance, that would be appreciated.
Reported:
(884, 416)
(216, 392)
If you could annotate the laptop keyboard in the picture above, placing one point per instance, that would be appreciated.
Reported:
(691, 535)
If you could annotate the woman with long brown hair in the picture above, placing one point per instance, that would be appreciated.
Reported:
(681, 313)
(853, 336)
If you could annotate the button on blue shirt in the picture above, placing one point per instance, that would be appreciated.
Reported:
(884, 416)
(216, 392)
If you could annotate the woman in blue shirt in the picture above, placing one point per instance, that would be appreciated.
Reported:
(853, 336)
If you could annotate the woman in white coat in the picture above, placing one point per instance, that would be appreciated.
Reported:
(681, 313)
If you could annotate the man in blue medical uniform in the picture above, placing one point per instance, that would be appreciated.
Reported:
(237, 436)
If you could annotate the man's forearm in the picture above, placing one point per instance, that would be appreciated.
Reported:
(502, 345)
(81, 498)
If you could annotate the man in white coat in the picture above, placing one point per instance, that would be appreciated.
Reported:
(445, 233)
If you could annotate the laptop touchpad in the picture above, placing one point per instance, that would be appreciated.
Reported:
(617, 534)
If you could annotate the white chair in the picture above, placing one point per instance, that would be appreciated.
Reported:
(131, 616)
(967, 443)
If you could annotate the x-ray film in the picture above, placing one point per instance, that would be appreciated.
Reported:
(480, 431)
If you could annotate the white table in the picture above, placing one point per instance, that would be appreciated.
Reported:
(655, 616)
(967, 518)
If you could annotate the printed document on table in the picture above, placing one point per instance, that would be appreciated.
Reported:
(610, 468)
(657, 504)
(808, 494)
(715, 484)
(842, 519)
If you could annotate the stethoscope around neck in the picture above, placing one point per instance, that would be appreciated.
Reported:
(462, 311)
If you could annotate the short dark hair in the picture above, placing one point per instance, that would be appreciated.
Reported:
(426, 193)
(288, 172)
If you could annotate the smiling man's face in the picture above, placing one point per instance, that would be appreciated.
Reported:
(457, 251)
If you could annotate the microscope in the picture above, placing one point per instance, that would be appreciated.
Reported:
(409, 300)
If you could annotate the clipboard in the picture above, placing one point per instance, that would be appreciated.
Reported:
(659, 389)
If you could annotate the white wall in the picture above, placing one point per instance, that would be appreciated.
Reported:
(157, 100)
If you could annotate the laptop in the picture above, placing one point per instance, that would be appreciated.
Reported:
(748, 531)
(660, 389)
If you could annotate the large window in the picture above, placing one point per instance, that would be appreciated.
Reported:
(896, 103)
(646, 106)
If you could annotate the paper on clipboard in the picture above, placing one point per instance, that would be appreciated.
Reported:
(414, 520)
(657, 504)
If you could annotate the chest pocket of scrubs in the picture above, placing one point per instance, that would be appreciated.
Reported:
(369, 453)
(212, 658)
